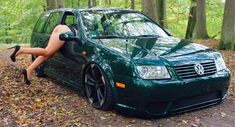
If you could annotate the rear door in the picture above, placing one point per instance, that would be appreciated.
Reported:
(53, 20)
(37, 38)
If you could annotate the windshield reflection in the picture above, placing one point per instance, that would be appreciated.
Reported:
(118, 24)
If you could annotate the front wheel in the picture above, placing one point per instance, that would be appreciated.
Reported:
(97, 88)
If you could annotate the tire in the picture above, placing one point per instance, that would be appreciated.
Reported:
(39, 71)
(97, 88)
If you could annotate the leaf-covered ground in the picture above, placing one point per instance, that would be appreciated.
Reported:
(49, 103)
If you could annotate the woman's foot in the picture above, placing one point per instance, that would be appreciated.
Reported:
(13, 55)
(26, 79)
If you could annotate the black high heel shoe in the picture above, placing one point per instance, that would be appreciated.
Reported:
(13, 55)
(26, 80)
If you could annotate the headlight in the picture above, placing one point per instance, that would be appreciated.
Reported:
(220, 64)
(153, 72)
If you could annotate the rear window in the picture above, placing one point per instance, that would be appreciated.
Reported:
(70, 19)
(41, 23)
(53, 21)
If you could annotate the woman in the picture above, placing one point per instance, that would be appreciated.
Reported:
(54, 44)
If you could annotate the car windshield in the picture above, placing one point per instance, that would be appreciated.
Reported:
(119, 24)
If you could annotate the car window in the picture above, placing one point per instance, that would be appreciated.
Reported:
(53, 21)
(70, 19)
(41, 23)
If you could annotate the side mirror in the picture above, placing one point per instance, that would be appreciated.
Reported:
(68, 36)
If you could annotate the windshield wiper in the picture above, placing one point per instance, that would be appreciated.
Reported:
(145, 36)
(107, 36)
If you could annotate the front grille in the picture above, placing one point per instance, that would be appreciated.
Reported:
(195, 102)
(187, 71)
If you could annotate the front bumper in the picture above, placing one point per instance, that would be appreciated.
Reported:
(164, 97)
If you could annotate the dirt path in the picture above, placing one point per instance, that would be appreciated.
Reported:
(48, 103)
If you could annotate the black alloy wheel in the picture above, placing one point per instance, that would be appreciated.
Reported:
(97, 88)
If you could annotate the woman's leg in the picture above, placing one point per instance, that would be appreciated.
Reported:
(54, 44)
(39, 60)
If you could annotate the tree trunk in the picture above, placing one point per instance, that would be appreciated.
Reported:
(228, 28)
(126, 3)
(107, 2)
(149, 8)
(72, 3)
(161, 12)
(200, 28)
(51, 4)
(91, 3)
(191, 20)
(79, 4)
(110, 2)
(60, 3)
(133, 4)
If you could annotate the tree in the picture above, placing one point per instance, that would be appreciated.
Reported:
(108, 2)
(191, 20)
(60, 3)
(79, 3)
(126, 3)
(161, 12)
(156, 9)
(91, 3)
(149, 8)
(53, 4)
(200, 26)
(133, 4)
(197, 20)
(50, 4)
(228, 29)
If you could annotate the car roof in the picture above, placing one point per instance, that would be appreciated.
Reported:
(92, 9)
(105, 9)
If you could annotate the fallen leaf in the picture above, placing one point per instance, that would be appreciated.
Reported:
(222, 114)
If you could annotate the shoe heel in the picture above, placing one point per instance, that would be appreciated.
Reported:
(12, 47)
(26, 80)
(13, 55)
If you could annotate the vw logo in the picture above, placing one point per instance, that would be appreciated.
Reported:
(199, 69)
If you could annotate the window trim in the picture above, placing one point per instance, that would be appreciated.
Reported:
(51, 14)
(35, 26)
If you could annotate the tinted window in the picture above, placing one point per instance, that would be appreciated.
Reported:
(70, 19)
(52, 22)
(41, 22)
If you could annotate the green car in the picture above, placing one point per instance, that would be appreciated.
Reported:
(121, 58)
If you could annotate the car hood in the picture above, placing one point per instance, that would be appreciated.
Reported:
(149, 48)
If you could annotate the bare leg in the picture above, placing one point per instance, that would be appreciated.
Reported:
(54, 44)
(39, 60)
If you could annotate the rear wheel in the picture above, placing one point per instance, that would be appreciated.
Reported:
(97, 88)
(39, 71)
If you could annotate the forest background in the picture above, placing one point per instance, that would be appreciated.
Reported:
(18, 17)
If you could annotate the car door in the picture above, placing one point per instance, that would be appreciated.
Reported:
(52, 65)
(70, 55)
(37, 38)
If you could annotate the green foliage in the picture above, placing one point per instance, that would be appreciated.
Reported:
(214, 12)
(177, 16)
(18, 17)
